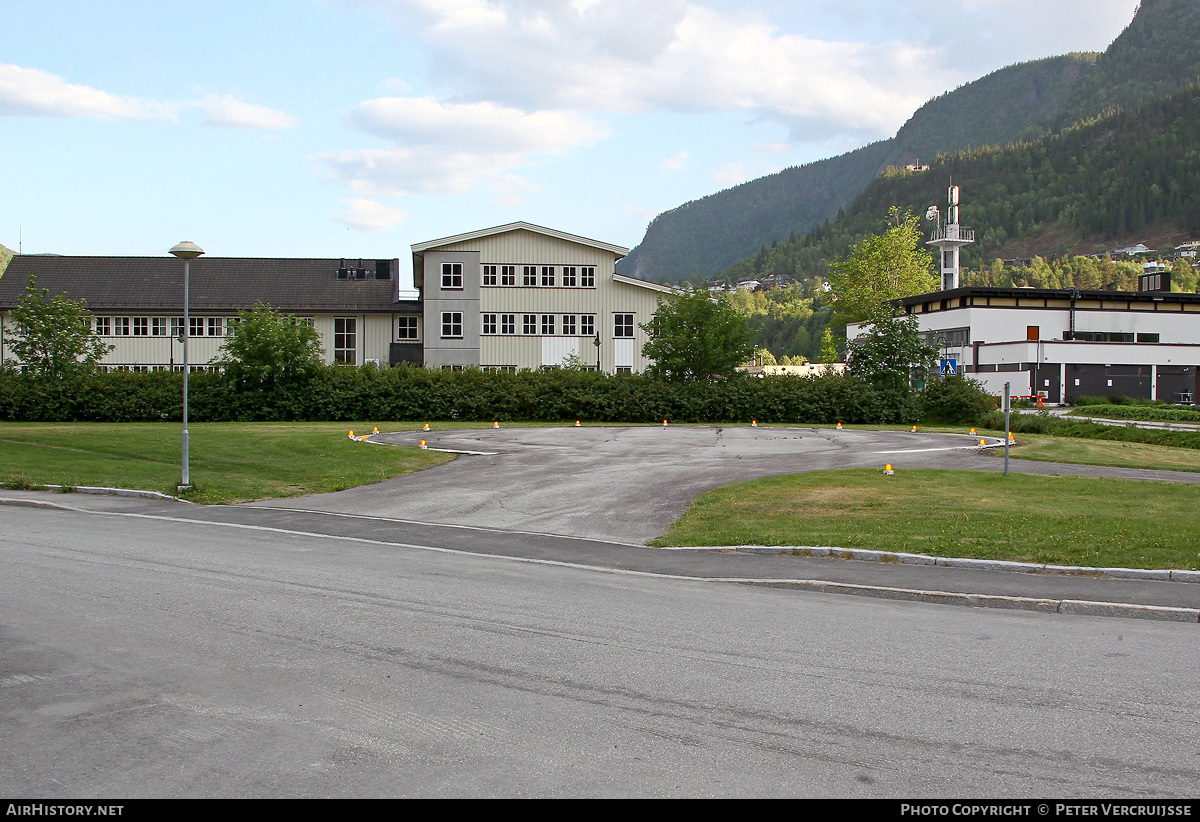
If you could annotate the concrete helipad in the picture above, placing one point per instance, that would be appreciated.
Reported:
(626, 484)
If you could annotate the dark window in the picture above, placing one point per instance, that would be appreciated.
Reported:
(452, 276)
(489, 323)
(587, 276)
(530, 275)
(529, 323)
(548, 324)
(452, 324)
(548, 276)
(490, 276)
(570, 277)
(345, 340)
(383, 269)
(406, 328)
(622, 325)
(508, 275)
(508, 323)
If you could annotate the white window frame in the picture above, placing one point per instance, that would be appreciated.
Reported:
(508, 323)
(121, 327)
(488, 324)
(587, 276)
(406, 328)
(491, 275)
(569, 325)
(452, 325)
(529, 323)
(529, 275)
(508, 275)
(570, 276)
(587, 325)
(452, 276)
(345, 341)
(623, 326)
(547, 325)
(548, 277)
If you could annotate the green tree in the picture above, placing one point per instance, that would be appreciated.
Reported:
(829, 352)
(693, 337)
(880, 268)
(265, 348)
(892, 354)
(54, 336)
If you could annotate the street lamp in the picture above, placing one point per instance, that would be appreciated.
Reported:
(596, 342)
(186, 251)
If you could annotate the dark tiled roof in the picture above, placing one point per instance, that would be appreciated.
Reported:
(216, 284)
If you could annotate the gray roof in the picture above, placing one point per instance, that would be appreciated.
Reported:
(216, 284)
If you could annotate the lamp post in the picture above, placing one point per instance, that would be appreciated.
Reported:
(596, 342)
(186, 251)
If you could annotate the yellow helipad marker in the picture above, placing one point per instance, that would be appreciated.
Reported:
(981, 443)
(664, 423)
(351, 435)
(426, 428)
(576, 423)
(375, 430)
(972, 432)
(754, 423)
(495, 425)
(914, 429)
(839, 426)
(423, 445)
(887, 470)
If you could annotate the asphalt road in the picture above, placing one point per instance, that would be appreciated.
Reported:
(629, 484)
(151, 649)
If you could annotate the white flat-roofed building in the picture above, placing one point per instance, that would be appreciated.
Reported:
(520, 296)
(1063, 343)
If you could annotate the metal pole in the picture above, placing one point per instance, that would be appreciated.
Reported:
(186, 333)
(1007, 410)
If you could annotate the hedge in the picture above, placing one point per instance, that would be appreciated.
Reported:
(417, 394)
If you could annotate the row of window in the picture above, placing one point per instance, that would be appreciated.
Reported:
(539, 276)
(167, 326)
(549, 325)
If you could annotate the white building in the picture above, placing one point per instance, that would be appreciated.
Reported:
(1063, 343)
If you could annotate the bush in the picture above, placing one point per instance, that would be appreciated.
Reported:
(955, 400)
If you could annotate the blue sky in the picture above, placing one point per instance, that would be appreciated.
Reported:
(331, 128)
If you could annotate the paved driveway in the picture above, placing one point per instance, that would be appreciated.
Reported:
(620, 484)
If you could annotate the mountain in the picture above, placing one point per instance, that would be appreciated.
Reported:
(6, 254)
(1158, 53)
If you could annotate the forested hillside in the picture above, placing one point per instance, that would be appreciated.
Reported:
(1131, 175)
(1157, 54)
(5, 255)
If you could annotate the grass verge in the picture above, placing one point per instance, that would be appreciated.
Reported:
(1041, 448)
(1025, 518)
(229, 462)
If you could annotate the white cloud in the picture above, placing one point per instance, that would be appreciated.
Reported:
(229, 112)
(675, 162)
(31, 92)
(446, 148)
(668, 55)
(730, 174)
(368, 215)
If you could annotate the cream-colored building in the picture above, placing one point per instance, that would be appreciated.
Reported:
(522, 296)
(137, 305)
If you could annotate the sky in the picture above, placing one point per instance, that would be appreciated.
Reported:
(355, 128)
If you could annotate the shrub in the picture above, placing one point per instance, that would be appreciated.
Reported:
(955, 400)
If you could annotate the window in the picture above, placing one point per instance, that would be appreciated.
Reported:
(158, 326)
(452, 277)
(570, 276)
(508, 275)
(489, 323)
(587, 276)
(569, 326)
(587, 325)
(622, 325)
(491, 275)
(121, 326)
(216, 327)
(345, 340)
(103, 327)
(508, 323)
(624, 369)
(452, 324)
(530, 275)
(1147, 338)
(548, 324)
(452, 368)
(177, 327)
(510, 369)
(547, 276)
(529, 324)
(196, 327)
(406, 328)
(141, 326)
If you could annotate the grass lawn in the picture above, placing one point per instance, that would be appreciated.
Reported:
(230, 462)
(1043, 448)
(1058, 520)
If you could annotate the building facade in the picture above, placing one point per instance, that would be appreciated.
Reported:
(513, 297)
(1064, 343)
(522, 296)
(137, 303)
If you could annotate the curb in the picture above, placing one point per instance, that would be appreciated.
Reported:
(1072, 607)
(900, 558)
(102, 491)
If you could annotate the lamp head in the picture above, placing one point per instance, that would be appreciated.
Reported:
(187, 250)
